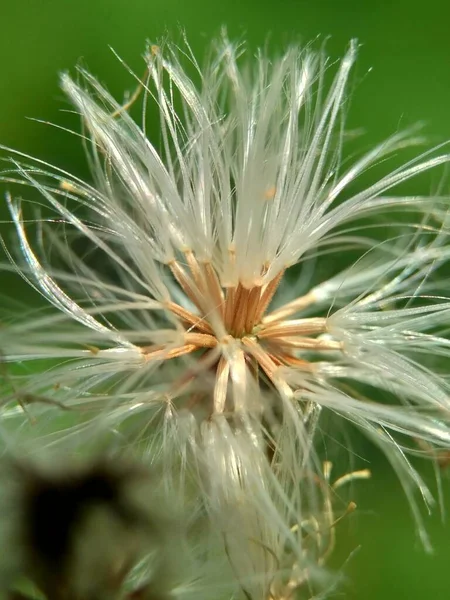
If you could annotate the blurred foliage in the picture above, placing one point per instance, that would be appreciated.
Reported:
(402, 77)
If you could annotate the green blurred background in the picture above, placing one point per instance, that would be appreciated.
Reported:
(403, 76)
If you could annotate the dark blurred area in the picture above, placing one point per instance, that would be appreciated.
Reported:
(402, 77)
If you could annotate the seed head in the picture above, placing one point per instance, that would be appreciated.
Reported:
(237, 286)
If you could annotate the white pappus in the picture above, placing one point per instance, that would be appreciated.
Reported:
(239, 286)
